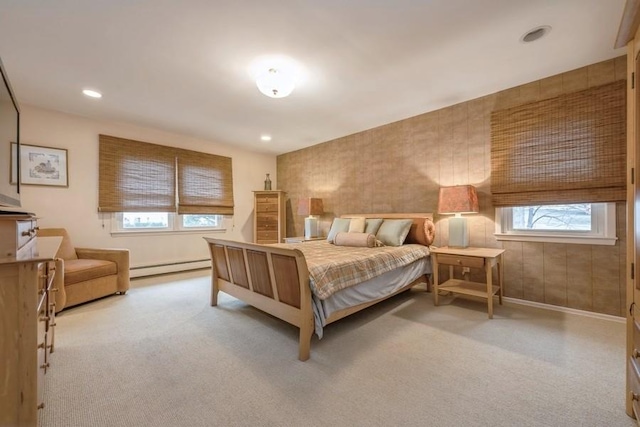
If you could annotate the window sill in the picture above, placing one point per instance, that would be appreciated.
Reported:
(168, 232)
(582, 240)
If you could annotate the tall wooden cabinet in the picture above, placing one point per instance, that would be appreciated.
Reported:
(27, 321)
(629, 36)
(269, 219)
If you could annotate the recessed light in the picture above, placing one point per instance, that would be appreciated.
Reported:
(535, 34)
(265, 138)
(92, 93)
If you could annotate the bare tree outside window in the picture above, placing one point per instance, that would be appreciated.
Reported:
(575, 217)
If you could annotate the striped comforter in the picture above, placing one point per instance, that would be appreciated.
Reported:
(332, 268)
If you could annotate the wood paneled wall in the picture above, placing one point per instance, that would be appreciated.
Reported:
(399, 167)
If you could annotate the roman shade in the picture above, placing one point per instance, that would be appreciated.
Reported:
(205, 184)
(567, 149)
(138, 176)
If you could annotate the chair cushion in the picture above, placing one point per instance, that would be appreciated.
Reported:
(80, 270)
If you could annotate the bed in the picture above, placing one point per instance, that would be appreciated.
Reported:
(309, 284)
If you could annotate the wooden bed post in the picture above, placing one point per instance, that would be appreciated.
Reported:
(214, 279)
(306, 321)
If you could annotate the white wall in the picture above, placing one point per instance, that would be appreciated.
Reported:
(75, 207)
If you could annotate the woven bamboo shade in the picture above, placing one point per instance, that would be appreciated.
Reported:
(205, 184)
(135, 176)
(567, 149)
(138, 176)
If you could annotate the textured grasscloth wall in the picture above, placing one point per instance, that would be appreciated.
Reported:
(400, 166)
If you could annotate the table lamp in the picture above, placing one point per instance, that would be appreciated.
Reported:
(458, 200)
(311, 207)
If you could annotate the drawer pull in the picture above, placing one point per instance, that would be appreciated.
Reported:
(41, 345)
(635, 354)
(44, 319)
(634, 396)
(51, 325)
(44, 366)
(41, 405)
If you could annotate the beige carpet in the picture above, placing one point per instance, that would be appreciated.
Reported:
(161, 356)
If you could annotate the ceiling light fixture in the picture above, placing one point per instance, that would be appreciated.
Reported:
(92, 93)
(535, 34)
(275, 83)
(265, 138)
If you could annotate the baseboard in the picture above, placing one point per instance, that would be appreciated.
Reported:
(565, 309)
(170, 267)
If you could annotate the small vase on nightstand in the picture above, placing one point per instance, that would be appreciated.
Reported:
(267, 183)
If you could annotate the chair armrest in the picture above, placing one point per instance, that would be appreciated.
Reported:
(119, 256)
(115, 255)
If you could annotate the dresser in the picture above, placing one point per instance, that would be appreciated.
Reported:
(269, 223)
(27, 318)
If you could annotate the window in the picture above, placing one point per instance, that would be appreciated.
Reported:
(137, 176)
(586, 223)
(152, 188)
(154, 222)
(567, 149)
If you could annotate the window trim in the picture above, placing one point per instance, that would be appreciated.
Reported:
(605, 233)
(175, 226)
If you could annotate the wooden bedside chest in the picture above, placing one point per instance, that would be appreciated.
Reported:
(484, 258)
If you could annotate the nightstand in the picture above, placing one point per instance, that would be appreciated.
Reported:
(302, 239)
(485, 258)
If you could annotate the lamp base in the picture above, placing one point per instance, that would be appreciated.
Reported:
(458, 232)
(310, 227)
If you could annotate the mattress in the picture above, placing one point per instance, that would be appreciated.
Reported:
(367, 291)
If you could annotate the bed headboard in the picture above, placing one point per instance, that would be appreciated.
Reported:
(422, 231)
(390, 215)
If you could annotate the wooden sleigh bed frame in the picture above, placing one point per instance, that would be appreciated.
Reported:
(276, 280)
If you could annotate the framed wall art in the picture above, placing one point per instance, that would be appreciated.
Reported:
(42, 166)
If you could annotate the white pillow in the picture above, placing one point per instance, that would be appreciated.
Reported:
(356, 225)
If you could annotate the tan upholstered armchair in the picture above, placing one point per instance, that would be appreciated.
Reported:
(84, 274)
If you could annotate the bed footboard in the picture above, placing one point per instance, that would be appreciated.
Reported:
(274, 280)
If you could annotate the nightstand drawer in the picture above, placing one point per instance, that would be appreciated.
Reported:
(268, 235)
(461, 260)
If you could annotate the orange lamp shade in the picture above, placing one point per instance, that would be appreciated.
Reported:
(310, 206)
(458, 199)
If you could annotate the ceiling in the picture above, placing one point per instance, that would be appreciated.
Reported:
(184, 66)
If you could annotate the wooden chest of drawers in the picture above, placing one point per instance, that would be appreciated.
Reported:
(27, 323)
(15, 233)
(269, 217)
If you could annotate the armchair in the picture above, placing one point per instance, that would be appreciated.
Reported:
(84, 274)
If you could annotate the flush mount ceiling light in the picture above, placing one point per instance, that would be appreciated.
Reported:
(265, 138)
(535, 34)
(92, 93)
(275, 83)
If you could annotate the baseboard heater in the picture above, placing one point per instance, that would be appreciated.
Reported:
(169, 267)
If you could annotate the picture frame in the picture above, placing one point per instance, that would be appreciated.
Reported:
(41, 165)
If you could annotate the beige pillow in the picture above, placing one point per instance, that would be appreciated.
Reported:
(356, 225)
(363, 240)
